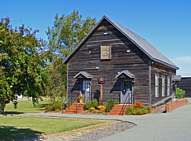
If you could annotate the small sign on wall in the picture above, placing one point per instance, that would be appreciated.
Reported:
(105, 52)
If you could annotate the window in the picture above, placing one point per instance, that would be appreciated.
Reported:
(86, 88)
(163, 86)
(156, 85)
(105, 52)
(168, 85)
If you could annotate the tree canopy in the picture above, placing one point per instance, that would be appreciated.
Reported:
(31, 68)
(20, 62)
(63, 37)
(67, 32)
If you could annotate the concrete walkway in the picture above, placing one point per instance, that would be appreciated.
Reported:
(173, 126)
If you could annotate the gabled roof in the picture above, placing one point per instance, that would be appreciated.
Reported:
(84, 74)
(141, 43)
(125, 72)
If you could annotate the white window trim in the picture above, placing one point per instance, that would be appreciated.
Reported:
(163, 86)
(168, 85)
(156, 85)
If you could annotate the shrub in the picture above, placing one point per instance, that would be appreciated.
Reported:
(134, 110)
(96, 111)
(110, 103)
(54, 106)
(92, 109)
(180, 93)
(90, 104)
(101, 108)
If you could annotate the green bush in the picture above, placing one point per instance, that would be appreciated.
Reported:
(133, 110)
(110, 103)
(91, 104)
(54, 106)
(180, 93)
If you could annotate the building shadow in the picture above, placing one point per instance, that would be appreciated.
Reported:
(11, 133)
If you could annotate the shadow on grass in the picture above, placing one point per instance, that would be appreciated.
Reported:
(12, 113)
(11, 133)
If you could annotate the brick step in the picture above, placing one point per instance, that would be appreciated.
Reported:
(80, 109)
(118, 109)
(72, 112)
(75, 108)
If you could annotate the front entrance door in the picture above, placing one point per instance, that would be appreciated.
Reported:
(126, 92)
(87, 90)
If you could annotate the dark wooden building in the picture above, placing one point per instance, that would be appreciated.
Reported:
(131, 68)
(185, 84)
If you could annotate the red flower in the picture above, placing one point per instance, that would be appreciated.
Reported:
(138, 104)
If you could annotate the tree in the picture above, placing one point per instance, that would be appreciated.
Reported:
(21, 64)
(180, 93)
(55, 84)
(63, 38)
(67, 32)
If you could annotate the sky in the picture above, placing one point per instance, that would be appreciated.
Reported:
(166, 24)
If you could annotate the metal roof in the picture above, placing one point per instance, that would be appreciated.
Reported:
(141, 43)
(125, 72)
(84, 74)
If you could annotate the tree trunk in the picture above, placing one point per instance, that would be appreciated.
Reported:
(2, 107)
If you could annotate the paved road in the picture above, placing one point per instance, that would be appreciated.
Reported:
(173, 126)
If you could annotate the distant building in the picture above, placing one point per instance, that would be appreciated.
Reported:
(185, 84)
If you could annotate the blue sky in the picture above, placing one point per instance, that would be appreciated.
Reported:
(164, 23)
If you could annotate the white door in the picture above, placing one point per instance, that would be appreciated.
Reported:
(126, 93)
(87, 90)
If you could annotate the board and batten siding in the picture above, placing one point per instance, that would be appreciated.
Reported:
(162, 72)
(87, 58)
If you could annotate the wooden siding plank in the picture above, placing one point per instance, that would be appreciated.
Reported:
(87, 58)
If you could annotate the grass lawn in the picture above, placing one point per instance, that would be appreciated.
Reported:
(22, 127)
(26, 106)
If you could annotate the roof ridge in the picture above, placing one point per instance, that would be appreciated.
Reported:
(147, 48)
(146, 43)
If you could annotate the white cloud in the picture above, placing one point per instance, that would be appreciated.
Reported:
(184, 63)
(186, 60)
